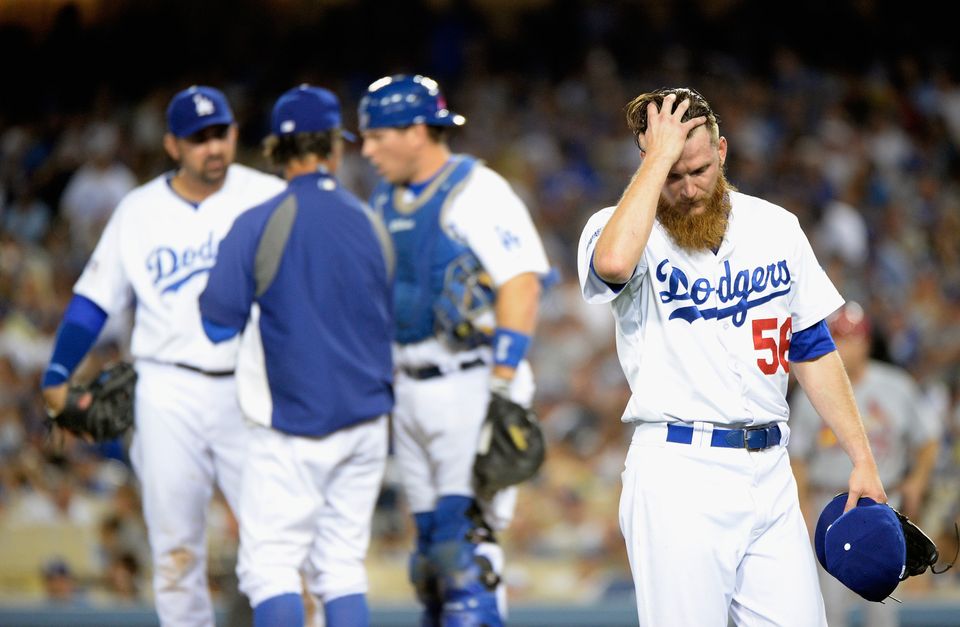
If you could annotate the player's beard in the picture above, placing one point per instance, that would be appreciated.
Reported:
(703, 231)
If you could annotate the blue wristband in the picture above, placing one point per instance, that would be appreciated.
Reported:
(509, 347)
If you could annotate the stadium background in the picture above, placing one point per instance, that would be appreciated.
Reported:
(847, 113)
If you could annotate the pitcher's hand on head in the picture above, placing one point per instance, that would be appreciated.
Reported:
(666, 131)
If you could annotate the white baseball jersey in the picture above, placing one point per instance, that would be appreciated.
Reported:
(704, 336)
(487, 216)
(156, 250)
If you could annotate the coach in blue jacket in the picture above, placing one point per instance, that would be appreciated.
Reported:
(306, 276)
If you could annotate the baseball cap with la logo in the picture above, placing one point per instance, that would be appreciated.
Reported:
(196, 108)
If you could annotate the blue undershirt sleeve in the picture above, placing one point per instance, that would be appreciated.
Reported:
(811, 343)
(82, 322)
(217, 332)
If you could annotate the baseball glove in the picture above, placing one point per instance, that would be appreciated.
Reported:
(110, 411)
(922, 553)
(511, 447)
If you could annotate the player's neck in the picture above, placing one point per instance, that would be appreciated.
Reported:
(430, 163)
(193, 189)
(309, 164)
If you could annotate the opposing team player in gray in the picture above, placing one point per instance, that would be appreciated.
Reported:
(306, 276)
(469, 263)
(154, 255)
(903, 433)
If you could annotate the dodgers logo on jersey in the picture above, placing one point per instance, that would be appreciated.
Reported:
(763, 284)
(172, 268)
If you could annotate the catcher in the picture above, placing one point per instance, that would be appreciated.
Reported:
(101, 410)
(470, 270)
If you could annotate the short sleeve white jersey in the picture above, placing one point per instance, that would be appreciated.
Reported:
(704, 336)
(156, 252)
(488, 216)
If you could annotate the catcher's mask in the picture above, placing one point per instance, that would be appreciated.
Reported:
(871, 548)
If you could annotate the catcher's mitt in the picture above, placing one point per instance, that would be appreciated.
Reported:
(110, 411)
(921, 551)
(511, 447)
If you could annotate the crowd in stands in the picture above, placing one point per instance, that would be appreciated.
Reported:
(868, 160)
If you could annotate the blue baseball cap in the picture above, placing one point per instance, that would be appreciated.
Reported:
(402, 100)
(196, 108)
(307, 109)
(864, 548)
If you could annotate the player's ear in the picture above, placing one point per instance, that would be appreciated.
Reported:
(722, 149)
(170, 145)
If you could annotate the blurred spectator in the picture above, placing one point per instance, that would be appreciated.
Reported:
(123, 579)
(26, 217)
(95, 189)
(59, 583)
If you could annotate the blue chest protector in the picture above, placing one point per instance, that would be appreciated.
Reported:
(423, 250)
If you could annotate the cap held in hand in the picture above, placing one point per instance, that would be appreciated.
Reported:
(863, 548)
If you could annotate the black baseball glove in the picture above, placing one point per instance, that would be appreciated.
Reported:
(110, 411)
(511, 447)
(921, 551)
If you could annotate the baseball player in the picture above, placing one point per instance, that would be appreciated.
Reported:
(904, 436)
(315, 370)
(469, 262)
(710, 289)
(154, 254)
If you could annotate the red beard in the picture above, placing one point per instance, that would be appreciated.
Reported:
(702, 232)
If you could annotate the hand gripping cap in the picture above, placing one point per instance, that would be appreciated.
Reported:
(403, 100)
(864, 548)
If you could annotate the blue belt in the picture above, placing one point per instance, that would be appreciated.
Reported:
(750, 438)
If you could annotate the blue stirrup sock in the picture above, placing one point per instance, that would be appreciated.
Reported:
(450, 518)
(280, 611)
(348, 611)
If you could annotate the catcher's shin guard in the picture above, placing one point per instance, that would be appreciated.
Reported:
(423, 576)
(468, 585)
(467, 577)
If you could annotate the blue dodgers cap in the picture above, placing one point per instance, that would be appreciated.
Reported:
(196, 108)
(402, 100)
(864, 548)
(307, 109)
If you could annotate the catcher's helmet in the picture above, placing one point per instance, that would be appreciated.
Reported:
(403, 100)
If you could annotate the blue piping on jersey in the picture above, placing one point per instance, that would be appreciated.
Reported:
(616, 287)
(169, 180)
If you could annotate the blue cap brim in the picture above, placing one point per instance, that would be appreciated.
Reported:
(214, 120)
